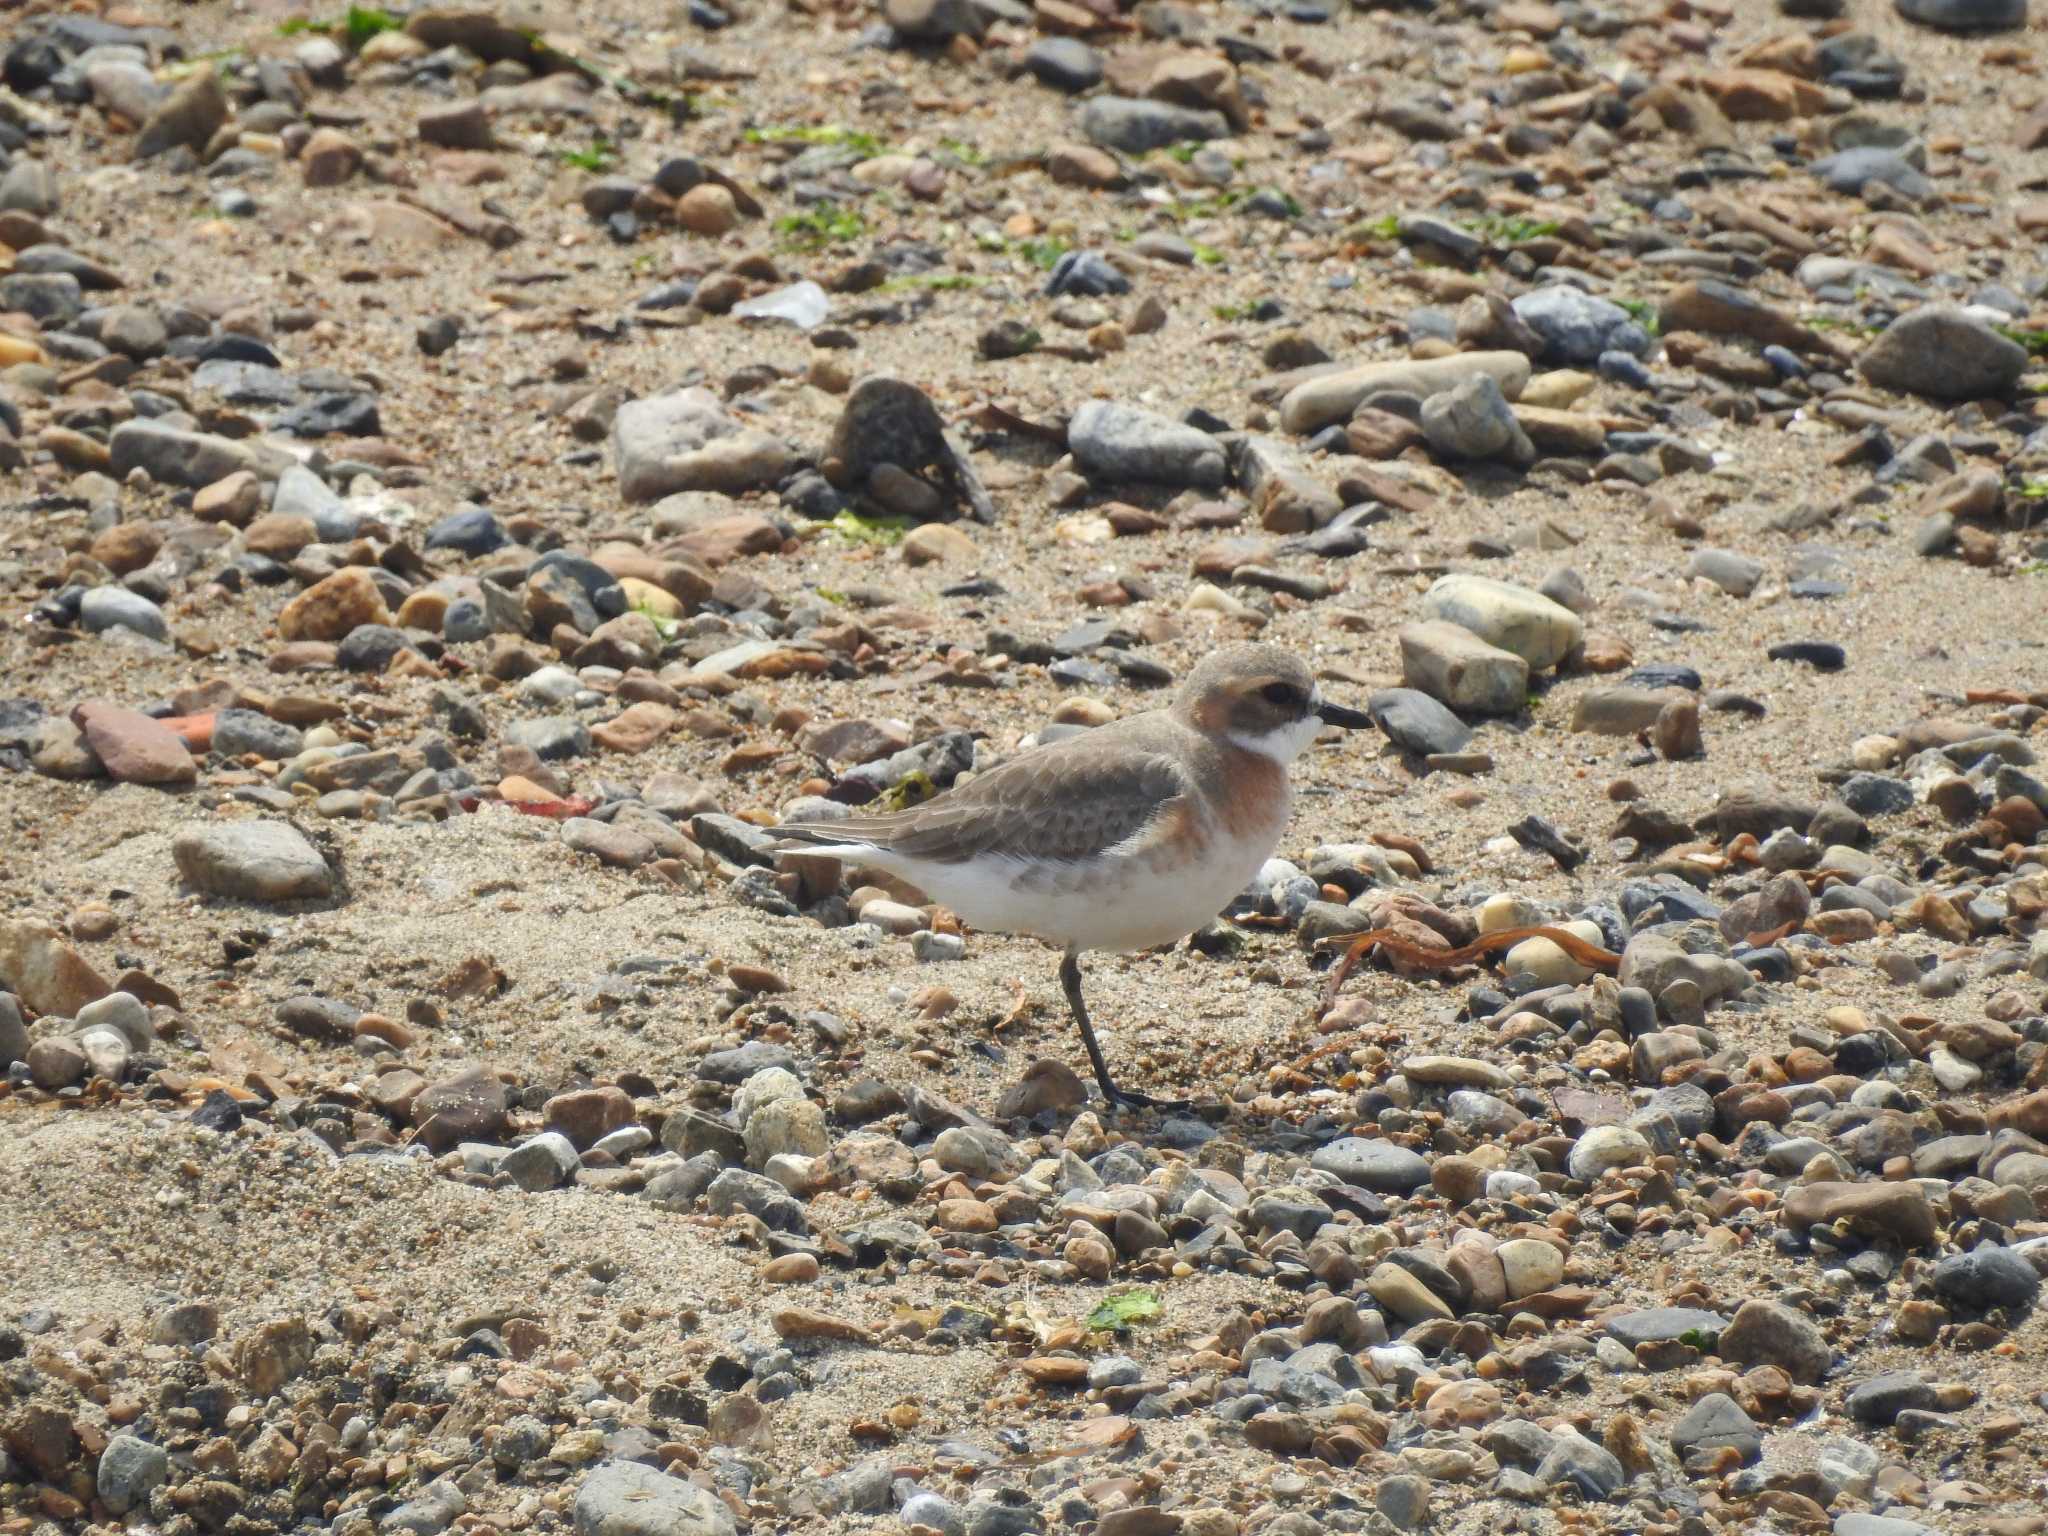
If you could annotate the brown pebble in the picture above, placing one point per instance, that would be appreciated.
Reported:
(791, 1269)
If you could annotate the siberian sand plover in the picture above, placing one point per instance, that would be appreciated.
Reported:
(1121, 838)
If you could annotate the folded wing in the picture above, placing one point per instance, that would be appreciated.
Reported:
(1068, 801)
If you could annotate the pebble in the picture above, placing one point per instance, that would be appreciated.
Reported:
(1118, 443)
(626, 1498)
(1942, 353)
(263, 861)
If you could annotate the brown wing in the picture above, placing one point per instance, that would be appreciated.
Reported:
(1065, 801)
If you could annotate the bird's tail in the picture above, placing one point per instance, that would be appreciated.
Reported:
(817, 836)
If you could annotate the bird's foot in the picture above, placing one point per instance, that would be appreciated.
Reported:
(1121, 1098)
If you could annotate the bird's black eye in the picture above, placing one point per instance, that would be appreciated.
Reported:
(1281, 695)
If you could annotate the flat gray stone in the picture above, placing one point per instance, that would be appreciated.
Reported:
(1120, 442)
(1942, 353)
(253, 861)
(625, 1498)
(1372, 1164)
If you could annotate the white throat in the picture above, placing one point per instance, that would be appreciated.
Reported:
(1283, 744)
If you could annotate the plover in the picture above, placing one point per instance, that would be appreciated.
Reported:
(1121, 838)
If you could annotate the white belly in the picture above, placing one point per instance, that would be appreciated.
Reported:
(1120, 904)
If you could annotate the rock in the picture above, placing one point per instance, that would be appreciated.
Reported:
(130, 1469)
(1576, 327)
(1135, 127)
(252, 861)
(1723, 309)
(133, 748)
(125, 1015)
(172, 456)
(933, 21)
(329, 158)
(546, 1161)
(1784, 901)
(1890, 1211)
(271, 1354)
(1964, 15)
(889, 440)
(57, 1062)
(686, 441)
(1382, 1167)
(1576, 1462)
(708, 209)
(468, 1107)
(237, 732)
(105, 608)
(626, 1498)
(1064, 63)
(1529, 1265)
(1472, 420)
(1405, 1296)
(188, 118)
(1506, 616)
(1451, 664)
(333, 606)
(1659, 1325)
(428, 1512)
(1735, 574)
(1119, 442)
(1417, 723)
(587, 1115)
(13, 1032)
(1945, 354)
(1606, 1146)
(458, 125)
(1771, 1333)
(303, 494)
(1882, 1399)
(1988, 1276)
(976, 1152)
(46, 973)
(1717, 1422)
(1332, 397)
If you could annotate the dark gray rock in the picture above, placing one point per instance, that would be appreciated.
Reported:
(1945, 354)
(1137, 127)
(1417, 723)
(1988, 1276)
(1372, 1164)
(1064, 63)
(1713, 1422)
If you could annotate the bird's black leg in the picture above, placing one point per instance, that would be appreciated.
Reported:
(1070, 982)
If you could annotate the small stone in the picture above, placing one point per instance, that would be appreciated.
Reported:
(1118, 443)
(1716, 1422)
(1529, 1265)
(133, 748)
(1382, 1167)
(1454, 666)
(1509, 617)
(252, 861)
(1964, 15)
(130, 1469)
(333, 606)
(707, 209)
(1605, 1147)
(1945, 354)
(1988, 1276)
(1472, 420)
(546, 1161)
(627, 1498)
(587, 1115)
(1771, 1333)
(1404, 1295)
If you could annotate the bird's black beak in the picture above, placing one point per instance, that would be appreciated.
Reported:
(1338, 715)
